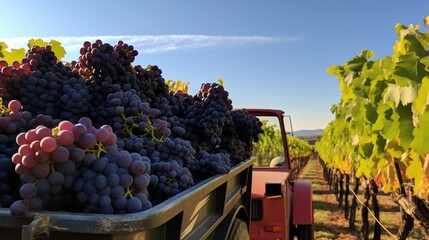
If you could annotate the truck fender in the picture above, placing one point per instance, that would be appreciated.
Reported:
(225, 228)
(302, 212)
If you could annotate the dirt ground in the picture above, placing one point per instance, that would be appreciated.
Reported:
(328, 216)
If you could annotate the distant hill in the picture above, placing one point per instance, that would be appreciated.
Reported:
(304, 133)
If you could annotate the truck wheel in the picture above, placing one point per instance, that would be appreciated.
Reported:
(305, 232)
(239, 230)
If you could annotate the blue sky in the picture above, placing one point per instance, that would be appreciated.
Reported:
(271, 54)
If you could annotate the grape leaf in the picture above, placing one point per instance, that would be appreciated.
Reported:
(415, 170)
(383, 114)
(3, 46)
(14, 55)
(36, 42)
(420, 142)
(408, 94)
(405, 125)
(333, 70)
(422, 100)
(406, 70)
(393, 94)
(371, 113)
(366, 150)
(59, 50)
(425, 61)
(380, 144)
(393, 148)
(390, 129)
(356, 64)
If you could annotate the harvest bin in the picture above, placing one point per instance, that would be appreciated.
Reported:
(204, 211)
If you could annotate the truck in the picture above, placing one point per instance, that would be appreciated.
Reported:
(253, 201)
(282, 207)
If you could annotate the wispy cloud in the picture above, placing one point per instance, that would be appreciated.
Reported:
(152, 44)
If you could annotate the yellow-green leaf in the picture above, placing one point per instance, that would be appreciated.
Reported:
(59, 50)
(426, 20)
(3, 47)
(414, 170)
(422, 100)
(420, 142)
(36, 42)
(14, 55)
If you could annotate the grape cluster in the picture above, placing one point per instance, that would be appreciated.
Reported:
(50, 88)
(210, 164)
(208, 116)
(114, 183)
(13, 121)
(176, 149)
(168, 179)
(131, 116)
(49, 161)
(11, 74)
(152, 88)
(9, 182)
(107, 68)
(239, 135)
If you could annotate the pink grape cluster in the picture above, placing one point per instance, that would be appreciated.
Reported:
(13, 72)
(48, 161)
(11, 116)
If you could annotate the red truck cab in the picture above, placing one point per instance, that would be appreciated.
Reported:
(281, 207)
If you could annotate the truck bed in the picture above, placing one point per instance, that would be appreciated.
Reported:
(192, 214)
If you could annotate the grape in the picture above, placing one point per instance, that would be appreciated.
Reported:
(134, 205)
(142, 181)
(41, 156)
(19, 208)
(25, 149)
(43, 186)
(41, 170)
(104, 201)
(35, 203)
(14, 105)
(126, 180)
(65, 138)
(56, 178)
(28, 191)
(76, 154)
(100, 181)
(65, 126)
(101, 135)
(29, 160)
(137, 167)
(48, 144)
(30, 136)
(79, 130)
(60, 154)
(117, 191)
(42, 132)
(87, 141)
(120, 203)
(67, 168)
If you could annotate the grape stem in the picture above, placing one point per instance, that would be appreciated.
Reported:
(128, 193)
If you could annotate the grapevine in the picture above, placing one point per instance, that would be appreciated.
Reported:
(377, 134)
